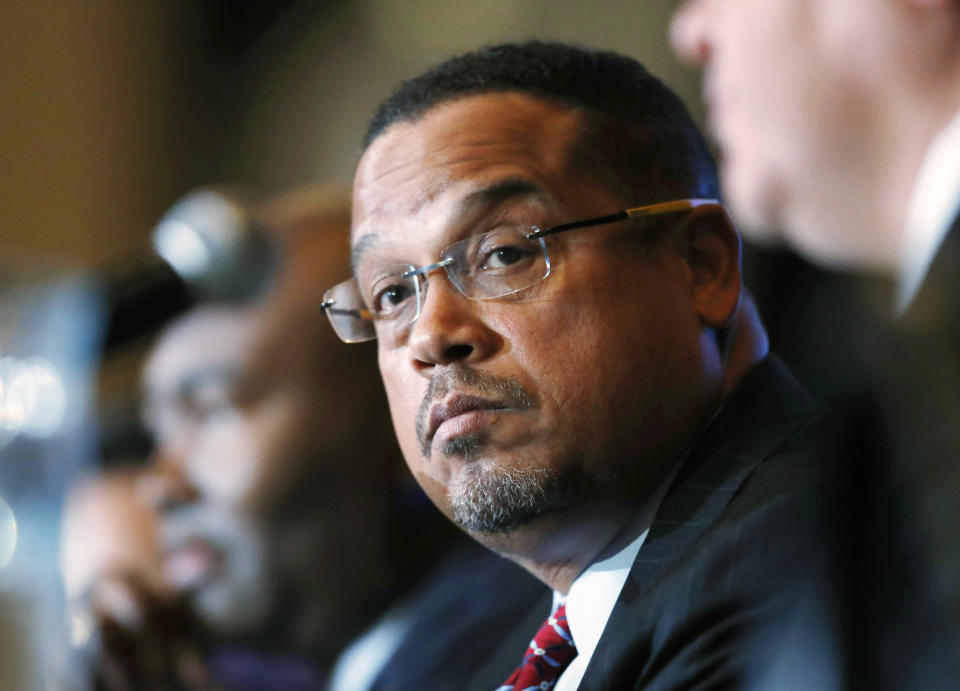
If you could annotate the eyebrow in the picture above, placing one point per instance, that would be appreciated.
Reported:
(363, 243)
(182, 392)
(501, 191)
(492, 195)
(190, 383)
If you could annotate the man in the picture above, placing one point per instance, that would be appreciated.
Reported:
(561, 387)
(840, 126)
(838, 123)
(271, 536)
(277, 548)
(286, 526)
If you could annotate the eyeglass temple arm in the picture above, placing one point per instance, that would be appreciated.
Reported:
(637, 212)
(600, 220)
(328, 306)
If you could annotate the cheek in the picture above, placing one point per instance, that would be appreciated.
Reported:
(405, 390)
(760, 74)
(555, 348)
(225, 461)
(759, 120)
(284, 449)
(617, 362)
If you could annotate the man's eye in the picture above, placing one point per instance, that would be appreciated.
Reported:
(212, 412)
(503, 257)
(391, 298)
(207, 406)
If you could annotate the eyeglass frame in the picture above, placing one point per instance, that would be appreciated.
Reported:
(659, 208)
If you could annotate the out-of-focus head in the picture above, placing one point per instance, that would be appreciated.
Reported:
(823, 110)
(561, 397)
(274, 460)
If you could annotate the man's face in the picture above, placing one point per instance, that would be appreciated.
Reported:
(244, 427)
(563, 395)
(221, 430)
(790, 87)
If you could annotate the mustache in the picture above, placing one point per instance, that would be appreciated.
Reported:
(505, 391)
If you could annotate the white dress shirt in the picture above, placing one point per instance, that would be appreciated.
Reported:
(589, 604)
(934, 203)
(595, 592)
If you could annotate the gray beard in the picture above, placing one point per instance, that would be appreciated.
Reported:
(492, 499)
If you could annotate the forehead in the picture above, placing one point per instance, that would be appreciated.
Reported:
(457, 148)
(213, 342)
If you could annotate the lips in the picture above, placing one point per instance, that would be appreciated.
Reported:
(189, 565)
(454, 406)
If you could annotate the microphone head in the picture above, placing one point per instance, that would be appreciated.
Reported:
(210, 246)
(216, 244)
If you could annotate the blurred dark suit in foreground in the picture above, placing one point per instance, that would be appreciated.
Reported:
(841, 128)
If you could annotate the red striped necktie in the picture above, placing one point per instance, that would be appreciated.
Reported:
(550, 651)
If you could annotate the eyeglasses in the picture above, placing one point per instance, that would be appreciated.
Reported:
(488, 266)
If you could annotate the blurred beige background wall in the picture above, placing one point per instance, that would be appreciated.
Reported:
(90, 137)
(113, 109)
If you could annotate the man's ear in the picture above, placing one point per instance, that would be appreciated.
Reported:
(711, 249)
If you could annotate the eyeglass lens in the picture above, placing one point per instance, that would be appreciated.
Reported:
(482, 267)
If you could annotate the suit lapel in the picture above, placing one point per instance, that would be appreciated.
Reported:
(511, 650)
(767, 407)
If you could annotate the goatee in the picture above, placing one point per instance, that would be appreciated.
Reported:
(494, 499)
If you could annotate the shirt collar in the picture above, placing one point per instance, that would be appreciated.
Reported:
(595, 592)
(933, 205)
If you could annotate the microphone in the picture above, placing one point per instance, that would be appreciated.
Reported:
(210, 245)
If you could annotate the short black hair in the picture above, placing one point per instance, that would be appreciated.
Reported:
(636, 130)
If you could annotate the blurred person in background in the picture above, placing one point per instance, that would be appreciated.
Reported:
(107, 529)
(286, 522)
(839, 124)
(271, 537)
(111, 564)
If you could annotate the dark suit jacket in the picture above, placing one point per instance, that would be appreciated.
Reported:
(885, 613)
(918, 394)
(896, 561)
(733, 523)
(705, 582)
(459, 616)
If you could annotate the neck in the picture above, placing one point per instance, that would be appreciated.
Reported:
(577, 538)
(598, 522)
(746, 344)
(359, 575)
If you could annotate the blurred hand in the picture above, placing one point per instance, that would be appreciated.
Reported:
(128, 637)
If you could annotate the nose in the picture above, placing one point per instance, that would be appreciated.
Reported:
(688, 32)
(450, 329)
(166, 485)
